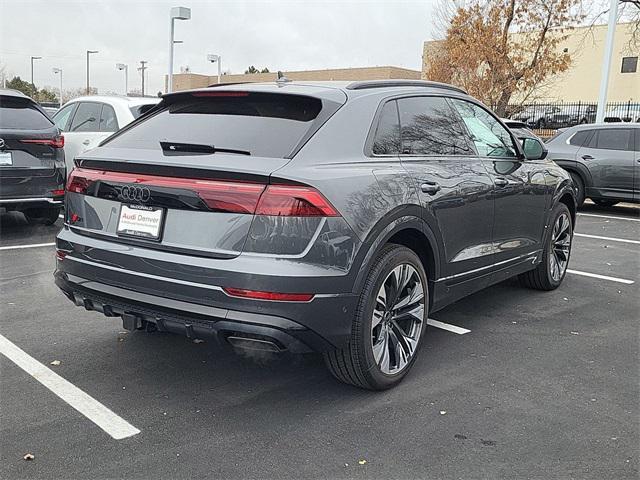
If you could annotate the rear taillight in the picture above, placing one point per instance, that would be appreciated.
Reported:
(61, 254)
(273, 296)
(57, 193)
(222, 195)
(294, 201)
(57, 142)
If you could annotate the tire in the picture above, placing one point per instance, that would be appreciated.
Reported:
(47, 216)
(377, 367)
(604, 203)
(579, 185)
(557, 250)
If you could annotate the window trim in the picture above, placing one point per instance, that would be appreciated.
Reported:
(368, 146)
(587, 140)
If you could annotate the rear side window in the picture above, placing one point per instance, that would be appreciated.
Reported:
(428, 126)
(108, 120)
(387, 138)
(263, 124)
(86, 118)
(140, 110)
(21, 114)
(612, 139)
(581, 138)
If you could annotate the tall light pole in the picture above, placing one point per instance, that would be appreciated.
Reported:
(59, 70)
(177, 13)
(32, 59)
(606, 62)
(125, 67)
(216, 58)
(89, 52)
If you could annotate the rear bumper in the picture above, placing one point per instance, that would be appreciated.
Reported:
(197, 305)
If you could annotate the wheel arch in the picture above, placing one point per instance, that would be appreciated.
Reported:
(410, 231)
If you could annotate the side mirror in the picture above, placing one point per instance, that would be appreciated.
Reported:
(533, 149)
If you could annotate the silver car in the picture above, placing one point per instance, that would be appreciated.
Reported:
(603, 160)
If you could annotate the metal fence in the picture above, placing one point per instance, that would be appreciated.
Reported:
(546, 118)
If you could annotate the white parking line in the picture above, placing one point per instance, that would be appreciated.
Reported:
(601, 277)
(611, 239)
(104, 418)
(609, 216)
(33, 245)
(446, 326)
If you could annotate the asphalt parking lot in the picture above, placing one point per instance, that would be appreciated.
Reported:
(544, 385)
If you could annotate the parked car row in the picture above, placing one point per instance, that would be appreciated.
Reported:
(563, 116)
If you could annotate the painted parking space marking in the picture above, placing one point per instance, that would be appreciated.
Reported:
(446, 326)
(610, 239)
(33, 245)
(609, 216)
(115, 426)
(601, 277)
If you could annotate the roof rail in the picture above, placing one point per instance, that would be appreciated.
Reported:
(362, 85)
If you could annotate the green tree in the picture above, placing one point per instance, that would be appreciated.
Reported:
(264, 70)
(16, 83)
(251, 69)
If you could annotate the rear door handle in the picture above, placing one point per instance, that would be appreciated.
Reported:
(501, 182)
(587, 157)
(430, 187)
(86, 142)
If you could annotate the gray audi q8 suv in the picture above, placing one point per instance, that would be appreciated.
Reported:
(329, 217)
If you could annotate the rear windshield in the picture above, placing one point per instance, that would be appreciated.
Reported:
(21, 114)
(263, 124)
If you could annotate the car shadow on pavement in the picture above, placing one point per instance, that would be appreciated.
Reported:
(622, 209)
(15, 229)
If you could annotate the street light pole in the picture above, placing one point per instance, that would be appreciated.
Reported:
(32, 59)
(125, 67)
(213, 59)
(176, 13)
(88, 53)
(59, 70)
(606, 62)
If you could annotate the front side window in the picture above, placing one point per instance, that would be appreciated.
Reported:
(62, 117)
(86, 118)
(611, 139)
(108, 120)
(429, 126)
(489, 136)
(387, 138)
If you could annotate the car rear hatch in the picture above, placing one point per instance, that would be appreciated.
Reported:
(30, 148)
(191, 176)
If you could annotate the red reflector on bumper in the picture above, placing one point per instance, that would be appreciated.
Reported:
(278, 297)
(57, 193)
(61, 254)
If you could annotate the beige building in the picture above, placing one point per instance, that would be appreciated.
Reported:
(186, 81)
(581, 82)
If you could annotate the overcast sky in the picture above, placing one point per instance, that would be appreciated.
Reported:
(280, 35)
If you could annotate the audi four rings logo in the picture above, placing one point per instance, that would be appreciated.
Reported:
(135, 193)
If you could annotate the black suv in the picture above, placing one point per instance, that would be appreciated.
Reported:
(332, 217)
(32, 170)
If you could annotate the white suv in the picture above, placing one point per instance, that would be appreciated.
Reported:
(86, 121)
